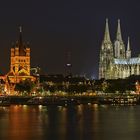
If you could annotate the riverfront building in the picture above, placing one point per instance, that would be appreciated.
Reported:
(115, 58)
(19, 64)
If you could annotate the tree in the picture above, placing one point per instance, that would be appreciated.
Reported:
(25, 86)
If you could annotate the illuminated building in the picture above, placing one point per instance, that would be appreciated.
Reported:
(19, 64)
(116, 62)
(137, 85)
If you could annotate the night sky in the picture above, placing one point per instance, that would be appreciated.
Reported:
(55, 27)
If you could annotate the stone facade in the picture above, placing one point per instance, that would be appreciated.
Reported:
(19, 64)
(116, 62)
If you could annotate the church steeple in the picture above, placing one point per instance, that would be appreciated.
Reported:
(20, 43)
(107, 34)
(128, 45)
(20, 34)
(19, 64)
(128, 52)
(106, 55)
(119, 46)
(119, 34)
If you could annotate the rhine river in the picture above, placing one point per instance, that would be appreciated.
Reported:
(83, 122)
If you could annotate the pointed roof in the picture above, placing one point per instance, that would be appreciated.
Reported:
(107, 34)
(20, 43)
(128, 44)
(119, 34)
(20, 34)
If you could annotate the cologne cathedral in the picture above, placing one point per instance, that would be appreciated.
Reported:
(115, 58)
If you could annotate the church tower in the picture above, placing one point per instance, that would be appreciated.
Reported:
(119, 45)
(106, 55)
(19, 64)
(20, 57)
(128, 51)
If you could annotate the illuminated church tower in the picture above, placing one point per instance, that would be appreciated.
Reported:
(119, 45)
(115, 61)
(19, 64)
(20, 58)
(106, 55)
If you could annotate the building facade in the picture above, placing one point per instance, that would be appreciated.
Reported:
(19, 64)
(115, 58)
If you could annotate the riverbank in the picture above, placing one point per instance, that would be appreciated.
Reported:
(69, 100)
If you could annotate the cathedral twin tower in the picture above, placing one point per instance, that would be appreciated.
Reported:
(115, 60)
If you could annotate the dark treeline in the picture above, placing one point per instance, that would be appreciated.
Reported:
(55, 83)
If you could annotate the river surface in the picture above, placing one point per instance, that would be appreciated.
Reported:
(83, 122)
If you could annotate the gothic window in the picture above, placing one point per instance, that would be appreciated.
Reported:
(121, 52)
(14, 68)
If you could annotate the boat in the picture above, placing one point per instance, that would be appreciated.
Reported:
(4, 101)
(126, 100)
(52, 101)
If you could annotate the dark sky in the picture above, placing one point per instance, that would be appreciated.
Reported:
(55, 27)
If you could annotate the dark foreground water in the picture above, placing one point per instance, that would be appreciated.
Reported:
(90, 122)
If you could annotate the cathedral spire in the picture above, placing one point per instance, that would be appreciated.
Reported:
(20, 35)
(128, 51)
(128, 45)
(106, 55)
(20, 43)
(119, 34)
(107, 34)
(119, 45)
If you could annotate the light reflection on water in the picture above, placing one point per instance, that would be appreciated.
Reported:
(82, 122)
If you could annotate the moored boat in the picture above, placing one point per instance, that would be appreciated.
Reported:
(4, 101)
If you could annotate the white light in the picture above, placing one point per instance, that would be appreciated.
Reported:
(68, 64)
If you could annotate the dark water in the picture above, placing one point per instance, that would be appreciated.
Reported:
(90, 122)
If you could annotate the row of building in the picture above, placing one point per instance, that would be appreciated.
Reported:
(115, 60)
